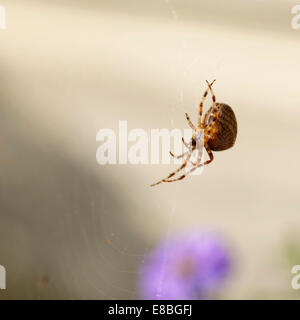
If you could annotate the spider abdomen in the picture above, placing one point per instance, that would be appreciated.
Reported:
(224, 129)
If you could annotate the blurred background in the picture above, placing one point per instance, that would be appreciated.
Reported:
(72, 229)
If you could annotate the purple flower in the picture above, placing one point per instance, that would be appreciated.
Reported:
(190, 266)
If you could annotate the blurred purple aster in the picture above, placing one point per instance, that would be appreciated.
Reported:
(189, 266)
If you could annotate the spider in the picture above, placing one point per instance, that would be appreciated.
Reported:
(217, 132)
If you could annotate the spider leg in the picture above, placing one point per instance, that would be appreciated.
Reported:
(198, 165)
(201, 106)
(208, 126)
(176, 171)
(200, 148)
(213, 113)
(190, 122)
(212, 94)
(190, 148)
(180, 156)
(188, 145)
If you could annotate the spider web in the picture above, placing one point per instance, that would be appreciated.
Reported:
(109, 255)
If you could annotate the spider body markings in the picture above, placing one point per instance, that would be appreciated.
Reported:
(219, 127)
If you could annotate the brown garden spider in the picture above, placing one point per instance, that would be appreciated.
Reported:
(220, 130)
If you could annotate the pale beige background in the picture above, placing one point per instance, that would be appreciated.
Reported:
(70, 228)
